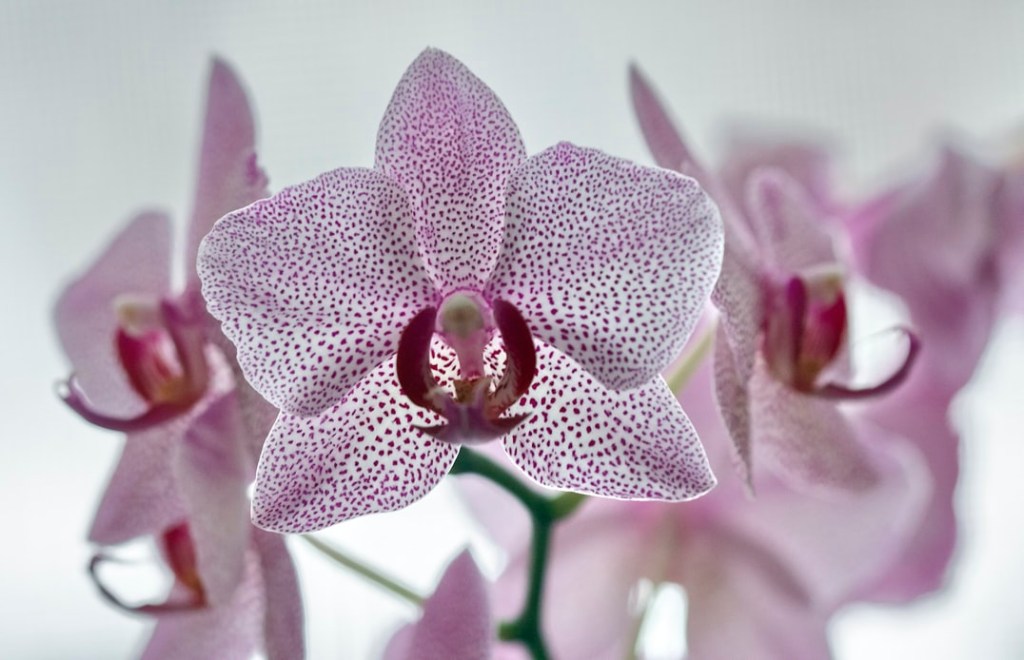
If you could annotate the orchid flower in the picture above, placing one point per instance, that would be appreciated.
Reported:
(459, 293)
(456, 623)
(235, 590)
(938, 242)
(781, 352)
(149, 362)
(138, 349)
(762, 577)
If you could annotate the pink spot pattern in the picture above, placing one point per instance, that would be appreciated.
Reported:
(315, 285)
(448, 140)
(647, 243)
(361, 456)
(637, 444)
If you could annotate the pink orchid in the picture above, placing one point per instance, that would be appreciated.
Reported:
(762, 577)
(781, 353)
(235, 590)
(456, 622)
(149, 362)
(939, 241)
(368, 304)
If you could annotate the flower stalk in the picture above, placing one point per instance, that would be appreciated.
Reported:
(544, 513)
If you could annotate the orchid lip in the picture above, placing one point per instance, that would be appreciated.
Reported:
(886, 385)
(180, 554)
(194, 602)
(474, 413)
(72, 395)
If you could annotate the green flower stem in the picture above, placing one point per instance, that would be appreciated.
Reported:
(699, 350)
(544, 512)
(371, 574)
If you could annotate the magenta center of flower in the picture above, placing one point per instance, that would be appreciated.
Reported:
(473, 410)
(161, 351)
(160, 345)
(805, 326)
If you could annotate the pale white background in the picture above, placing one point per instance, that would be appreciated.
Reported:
(99, 116)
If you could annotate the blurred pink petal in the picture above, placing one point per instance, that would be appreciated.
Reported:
(456, 622)
(283, 617)
(213, 473)
(228, 176)
(933, 242)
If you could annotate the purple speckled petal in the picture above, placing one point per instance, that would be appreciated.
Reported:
(451, 144)
(636, 444)
(212, 474)
(137, 262)
(609, 261)
(790, 229)
(732, 400)
(283, 637)
(361, 456)
(456, 622)
(314, 285)
(229, 632)
(804, 438)
(229, 177)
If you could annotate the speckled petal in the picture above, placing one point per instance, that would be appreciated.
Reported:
(451, 144)
(804, 438)
(456, 622)
(136, 262)
(733, 403)
(229, 632)
(314, 285)
(212, 475)
(634, 445)
(609, 261)
(229, 176)
(361, 456)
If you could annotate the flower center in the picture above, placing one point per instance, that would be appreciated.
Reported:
(161, 355)
(805, 326)
(473, 412)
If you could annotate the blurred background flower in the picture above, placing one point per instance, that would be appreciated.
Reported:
(100, 116)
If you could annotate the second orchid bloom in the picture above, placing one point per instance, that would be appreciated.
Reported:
(461, 292)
